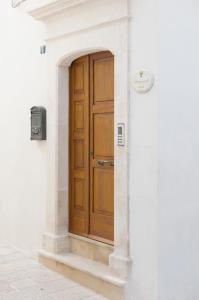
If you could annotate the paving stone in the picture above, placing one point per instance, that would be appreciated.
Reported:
(11, 257)
(22, 278)
(76, 293)
(97, 297)
(6, 250)
(13, 276)
(22, 284)
(54, 286)
(22, 296)
(43, 275)
(5, 287)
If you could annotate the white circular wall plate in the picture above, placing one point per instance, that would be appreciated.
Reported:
(143, 81)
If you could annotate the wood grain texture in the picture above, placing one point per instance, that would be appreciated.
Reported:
(79, 146)
(92, 146)
(102, 146)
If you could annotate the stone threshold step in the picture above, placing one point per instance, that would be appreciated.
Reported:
(94, 275)
(86, 265)
(90, 249)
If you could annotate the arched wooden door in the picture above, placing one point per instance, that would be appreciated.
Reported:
(92, 147)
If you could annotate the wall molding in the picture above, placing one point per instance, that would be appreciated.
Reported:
(49, 8)
(92, 27)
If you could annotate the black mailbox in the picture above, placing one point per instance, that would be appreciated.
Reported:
(38, 123)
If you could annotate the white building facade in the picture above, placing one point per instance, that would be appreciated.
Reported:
(155, 251)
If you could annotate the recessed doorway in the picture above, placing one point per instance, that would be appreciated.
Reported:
(91, 144)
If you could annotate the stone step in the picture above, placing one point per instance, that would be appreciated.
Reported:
(91, 249)
(94, 275)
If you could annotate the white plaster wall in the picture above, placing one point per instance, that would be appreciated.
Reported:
(163, 143)
(143, 167)
(22, 162)
(179, 150)
(164, 149)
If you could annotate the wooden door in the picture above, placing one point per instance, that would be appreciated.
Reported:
(92, 147)
(102, 145)
(79, 146)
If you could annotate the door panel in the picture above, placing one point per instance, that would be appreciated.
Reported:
(102, 146)
(103, 135)
(79, 185)
(79, 146)
(79, 116)
(78, 154)
(103, 198)
(92, 146)
(103, 79)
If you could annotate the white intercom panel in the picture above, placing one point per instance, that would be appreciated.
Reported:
(120, 134)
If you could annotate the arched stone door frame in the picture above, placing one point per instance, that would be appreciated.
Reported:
(61, 52)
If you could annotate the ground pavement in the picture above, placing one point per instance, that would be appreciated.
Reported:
(23, 278)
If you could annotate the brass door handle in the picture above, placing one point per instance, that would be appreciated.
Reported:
(105, 162)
